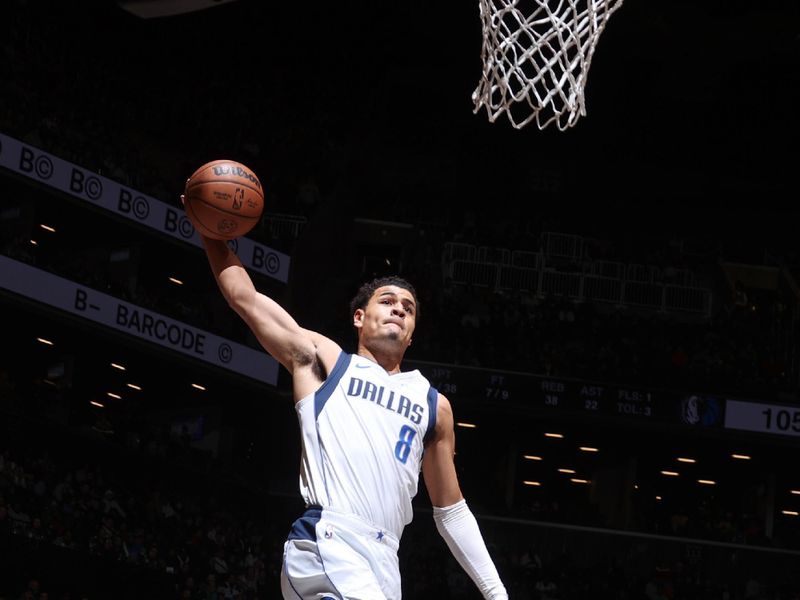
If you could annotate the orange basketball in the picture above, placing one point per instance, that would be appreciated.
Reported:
(223, 199)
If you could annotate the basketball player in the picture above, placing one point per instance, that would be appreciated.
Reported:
(367, 430)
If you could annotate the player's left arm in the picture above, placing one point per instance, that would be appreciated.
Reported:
(454, 520)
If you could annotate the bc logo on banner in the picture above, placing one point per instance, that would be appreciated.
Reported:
(110, 195)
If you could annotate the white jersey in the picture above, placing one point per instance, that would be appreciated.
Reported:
(363, 434)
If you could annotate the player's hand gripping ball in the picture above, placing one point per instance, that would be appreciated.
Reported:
(223, 199)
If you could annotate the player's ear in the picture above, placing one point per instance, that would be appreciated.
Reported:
(358, 317)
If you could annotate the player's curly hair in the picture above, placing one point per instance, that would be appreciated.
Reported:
(367, 289)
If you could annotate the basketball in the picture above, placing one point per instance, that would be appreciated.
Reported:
(223, 199)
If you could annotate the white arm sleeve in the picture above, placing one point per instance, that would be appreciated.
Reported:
(458, 527)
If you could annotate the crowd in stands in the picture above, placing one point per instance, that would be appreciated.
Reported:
(187, 534)
(200, 532)
(209, 537)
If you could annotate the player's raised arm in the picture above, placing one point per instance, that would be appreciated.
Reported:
(454, 520)
(274, 327)
(307, 355)
(224, 200)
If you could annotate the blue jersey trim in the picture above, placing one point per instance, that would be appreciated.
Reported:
(326, 389)
(433, 403)
(305, 528)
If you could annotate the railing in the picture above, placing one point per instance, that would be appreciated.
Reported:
(602, 289)
(458, 251)
(282, 226)
(529, 260)
(562, 245)
(602, 281)
(494, 255)
(517, 278)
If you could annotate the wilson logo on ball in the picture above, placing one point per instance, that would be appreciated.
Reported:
(220, 170)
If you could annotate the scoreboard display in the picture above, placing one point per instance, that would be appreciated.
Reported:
(558, 396)
(572, 397)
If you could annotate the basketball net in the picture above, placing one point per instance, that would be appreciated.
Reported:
(536, 56)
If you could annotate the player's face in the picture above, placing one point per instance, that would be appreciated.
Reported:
(390, 316)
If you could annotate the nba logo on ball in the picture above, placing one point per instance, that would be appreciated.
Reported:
(223, 199)
(238, 199)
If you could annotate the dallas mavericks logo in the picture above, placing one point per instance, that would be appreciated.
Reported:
(700, 410)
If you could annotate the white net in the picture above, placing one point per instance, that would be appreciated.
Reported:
(536, 57)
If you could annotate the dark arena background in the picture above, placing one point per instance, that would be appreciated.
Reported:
(612, 309)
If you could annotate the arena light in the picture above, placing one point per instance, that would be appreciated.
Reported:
(532, 483)
(47, 228)
(531, 457)
(466, 425)
(795, 492)
(117, 366)
(576, 480)
(682, 459)
(44, 341)
(740, 456)
(97, 404)
(588, 449)
(791, 513)
(567, 471)
(197, 386)
(670, 473)
(113, 395)
(176, 281)
(133, 386)
(707, 481)
(554, 435)
(153, 9)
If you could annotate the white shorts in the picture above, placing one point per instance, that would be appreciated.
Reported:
(341, 557)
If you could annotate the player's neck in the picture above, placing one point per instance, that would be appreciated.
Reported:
(390, 361)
